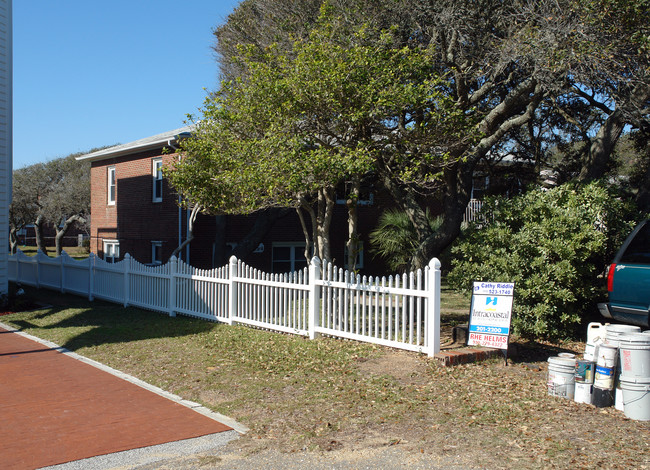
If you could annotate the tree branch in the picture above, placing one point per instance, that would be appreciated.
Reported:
(190, 230)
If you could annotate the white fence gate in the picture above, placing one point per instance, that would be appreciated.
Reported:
(401, 311)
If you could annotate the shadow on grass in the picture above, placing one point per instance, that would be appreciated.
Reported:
(74, 322)
(533, 351)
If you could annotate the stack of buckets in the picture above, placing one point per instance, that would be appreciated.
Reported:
(615, 371)
(634, 360)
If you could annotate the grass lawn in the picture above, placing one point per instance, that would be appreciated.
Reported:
(75, 252)
(335, 395)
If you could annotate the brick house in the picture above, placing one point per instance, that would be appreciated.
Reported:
(131, 209)
(135, 211)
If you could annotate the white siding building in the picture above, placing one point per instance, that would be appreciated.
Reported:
(5, 136)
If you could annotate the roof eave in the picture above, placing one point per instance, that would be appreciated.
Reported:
(114, 152)
(161, 141)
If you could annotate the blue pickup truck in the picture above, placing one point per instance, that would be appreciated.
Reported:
(628, 280)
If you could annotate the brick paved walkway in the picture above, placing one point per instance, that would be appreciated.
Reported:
(56, 409)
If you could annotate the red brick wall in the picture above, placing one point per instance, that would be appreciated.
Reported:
(135, 220)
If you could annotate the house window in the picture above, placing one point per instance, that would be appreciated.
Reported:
(366, 197)
(112, 185)
(156, 252)
(480, 185)
(157, 176)
(288, 257)
(111, 251)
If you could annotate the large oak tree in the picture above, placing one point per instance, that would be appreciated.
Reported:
(504, 67)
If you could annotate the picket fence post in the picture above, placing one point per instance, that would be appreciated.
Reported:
(91, 276)
(314, 297)
(19, 271)
(173, 266)
(433, 308)
(62, 283)
(127, 262)
(232, 289)
(38, 269)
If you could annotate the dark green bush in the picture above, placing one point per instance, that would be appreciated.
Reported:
(554, 245)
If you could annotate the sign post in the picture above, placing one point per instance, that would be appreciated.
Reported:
(490, 315)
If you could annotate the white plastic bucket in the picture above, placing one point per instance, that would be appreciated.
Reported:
(614, 333)
(561, 377)
(583, 393)
(636, 397)
(634, 350)
(596, 333)
(618, 396)
(606, 355)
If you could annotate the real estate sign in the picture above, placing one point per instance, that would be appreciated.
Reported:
(489, 318)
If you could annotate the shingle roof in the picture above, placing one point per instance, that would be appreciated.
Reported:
(155, 141)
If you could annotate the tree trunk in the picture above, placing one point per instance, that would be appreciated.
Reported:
(309, 244)
(321, 220)
(595, 164)
(352, 203)
(326, 203)
(602, 145)
(60, 233)
(456, 196)
(263, 223)
(38, 230)
(13, 240)
(190, 231)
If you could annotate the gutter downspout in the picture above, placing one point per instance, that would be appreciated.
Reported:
(180, 209)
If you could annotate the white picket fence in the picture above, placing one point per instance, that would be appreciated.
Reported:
(400, 311)
(473, 210)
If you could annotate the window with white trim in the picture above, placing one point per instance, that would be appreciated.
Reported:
(480, 184)
(112, 185)
(366, 197)
(111, 251)
(157, 177)
(288, 257)
(156, 252)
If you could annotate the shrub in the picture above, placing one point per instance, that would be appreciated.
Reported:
(554, 245)
(395, 239)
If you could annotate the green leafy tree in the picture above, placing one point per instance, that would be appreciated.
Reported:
(298, 124)
(519, 73)
(553, 245)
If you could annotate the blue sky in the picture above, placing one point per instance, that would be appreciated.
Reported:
(90, 73)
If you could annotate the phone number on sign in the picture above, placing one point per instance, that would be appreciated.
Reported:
(488, 329)
(497, 291)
